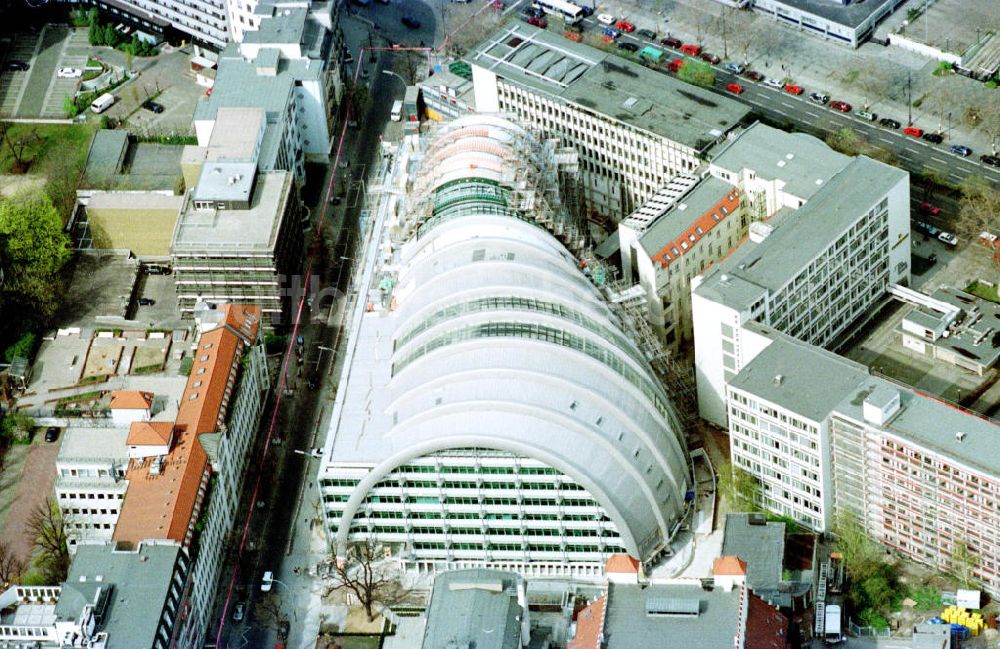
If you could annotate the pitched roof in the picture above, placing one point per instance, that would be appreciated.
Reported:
(150, 433)
(589, 625)
(729, 566)
(621, 563)
(164, 504)
(131, 400)
(766, 628)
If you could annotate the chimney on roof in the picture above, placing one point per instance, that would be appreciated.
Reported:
(779, 379)
(960, 436)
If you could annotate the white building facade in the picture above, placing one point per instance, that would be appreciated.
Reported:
(492, 411)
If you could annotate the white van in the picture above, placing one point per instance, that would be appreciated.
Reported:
(102, 103)
(397, 111)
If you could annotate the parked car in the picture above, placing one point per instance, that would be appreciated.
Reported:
(709, 58)
(628, 47)
(538, 21)
(693, 50)
(153, 106)
(992, 160)
(285, 629)
(928, 208)
(819, 97)
(534, 11)
(734, 88)
(864, 114)
(753, 75)
(794, 89)
(606, 19)
(51, 434)
(267, 582)
(410, 22)
(913, 131)
(842, 106)
(948, 238)
(933, 138)
(16, 66)
(625, 26)
(647, 33)
(963, 151)
(587, 10)
(926, 228)
(888, 122)
(774, 83)
(145, 301)
(611, 32)
(239, 612)
(69, 73)
(735, 68)
(670, 41)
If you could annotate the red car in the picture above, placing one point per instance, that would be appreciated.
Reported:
(693, 50)
(676, 65)
(933, 210)
(709, 58)
(913, 131)
(625, 26)
(793, 89)
(842, 106)
(538, 21)
(734, 88)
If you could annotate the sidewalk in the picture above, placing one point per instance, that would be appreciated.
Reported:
(783, 52)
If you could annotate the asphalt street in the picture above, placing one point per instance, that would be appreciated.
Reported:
(286, 505)
(782, 108)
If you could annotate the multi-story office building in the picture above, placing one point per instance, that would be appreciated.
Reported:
(113, 598)
(289, 69)
(826, 438)
(849, 23)
(692, 223)
(170, 468)
(808, 271)
(237, 240)
(492, 412)
(633, 128)
(90, 482)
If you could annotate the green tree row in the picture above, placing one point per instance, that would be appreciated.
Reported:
(106, 35)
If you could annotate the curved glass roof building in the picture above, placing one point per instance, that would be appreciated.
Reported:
(492, 410)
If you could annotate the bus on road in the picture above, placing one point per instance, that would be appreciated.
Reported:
(569, 12)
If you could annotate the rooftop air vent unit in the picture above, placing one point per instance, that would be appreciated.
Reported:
(778, 379)
(960, 436)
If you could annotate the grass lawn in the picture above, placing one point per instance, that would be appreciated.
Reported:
(984, 291)
(358, 642)
(54, 142)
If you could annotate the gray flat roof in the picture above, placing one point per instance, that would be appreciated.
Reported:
(973, 338)
(761, 545)
(225, 181)
(813, 381)
(136, 583)
(113, 162)
(238, 84)
(679, 216)
(850, 15)
(803, 163)
(198, 231)
(474, 608)
(93, 444)
(280, 25)
(800, 236)
(933, 425)
(627, 625)
(106, 153)
(608, 84)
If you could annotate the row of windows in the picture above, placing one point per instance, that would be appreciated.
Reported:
(70, 495)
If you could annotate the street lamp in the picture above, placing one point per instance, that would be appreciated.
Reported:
(393, 74)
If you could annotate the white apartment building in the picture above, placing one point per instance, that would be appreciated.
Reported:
(493, 412)
(825, 438)
(633, 128)
(90, 482)
(809, 271)
(203, 22)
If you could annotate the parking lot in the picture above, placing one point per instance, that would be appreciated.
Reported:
(39, 92)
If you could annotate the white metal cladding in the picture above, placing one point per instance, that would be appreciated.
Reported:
(500, 342)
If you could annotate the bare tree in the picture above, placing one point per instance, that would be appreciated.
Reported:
(17, 146)
(268, 612)
(989, 121)
(366, 575)
(408, 65)
(744, 30)
(468, 24)
(872, 81)
(47, 530)
(979, 210)
(11, 566)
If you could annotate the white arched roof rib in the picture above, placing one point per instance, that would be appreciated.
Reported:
(471, 162)
(449, 358)
(622, 412)
(479, 144)
(459, 173)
